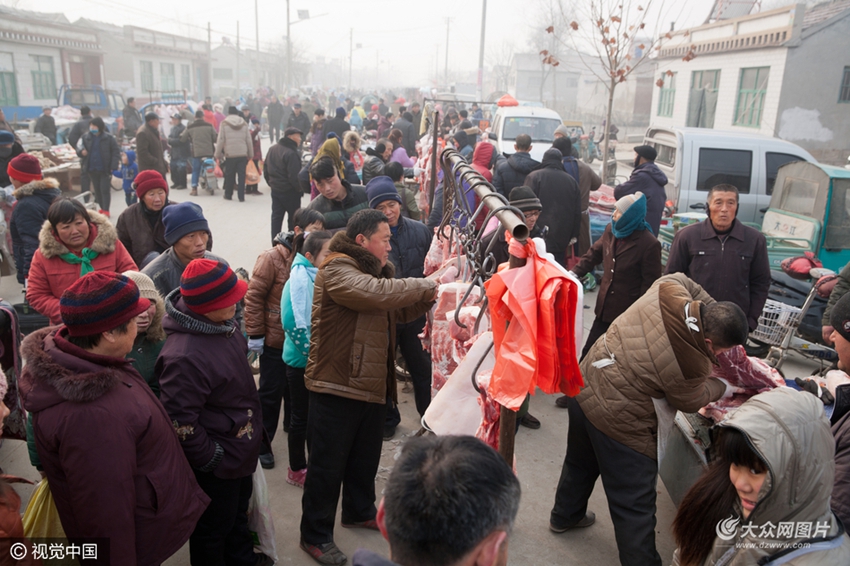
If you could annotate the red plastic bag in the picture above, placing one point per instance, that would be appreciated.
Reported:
(799, 267)
(218, 173)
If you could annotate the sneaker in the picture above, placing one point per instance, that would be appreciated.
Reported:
(562, 401)
(589, 519)
(258, 193)
(389, 432)
(371, 524)
(529, 421)
(296, 478)
(328, 553)
(267, 461)
(264, 560)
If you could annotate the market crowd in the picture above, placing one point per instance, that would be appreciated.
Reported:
(147, 425)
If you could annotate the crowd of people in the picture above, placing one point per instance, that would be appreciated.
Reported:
(143, 405)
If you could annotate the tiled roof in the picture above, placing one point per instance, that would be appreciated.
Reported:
(824, 11)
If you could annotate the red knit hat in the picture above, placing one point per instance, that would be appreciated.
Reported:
(208, 285)
(100, 301)
(24, 168)
(149, 180)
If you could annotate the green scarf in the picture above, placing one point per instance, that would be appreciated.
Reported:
(88, 254)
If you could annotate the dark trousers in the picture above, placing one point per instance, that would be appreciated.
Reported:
(345, 438)
(101, 182)
(274, 132)
(178, 172)
(221, 537)
(284, 203)
(273, 389)
(598, 329)
(629, 479)
(234, 174)
(298, 416)
(85, 181)
(130, 198)
(418, 363)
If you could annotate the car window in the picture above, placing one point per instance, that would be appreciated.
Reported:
(773, 162)
(83, 97)
(666, 154)
(725, 166)
(540, 129)
(838, 226)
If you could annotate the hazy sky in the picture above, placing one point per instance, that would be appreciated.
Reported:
(404, 38)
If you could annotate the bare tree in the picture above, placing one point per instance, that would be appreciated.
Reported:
(614, 32)
(499, 58)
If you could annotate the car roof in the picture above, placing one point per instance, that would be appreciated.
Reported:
(660, 133)
(528, 111)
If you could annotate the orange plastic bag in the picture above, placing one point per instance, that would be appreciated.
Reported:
(218, 172)
(252, 176)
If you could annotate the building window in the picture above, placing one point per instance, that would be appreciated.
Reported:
(844, 95)
(166, 76)
(43, 80)
(223, 74)
(147, 75)
(667, 96)
(8, 85)
(703, 99)
(751, 92)
(185, 77)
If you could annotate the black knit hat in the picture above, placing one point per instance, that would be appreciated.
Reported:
(524, 199)
(839, 318)
(647, 152)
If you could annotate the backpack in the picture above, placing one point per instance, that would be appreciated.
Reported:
(571, 167)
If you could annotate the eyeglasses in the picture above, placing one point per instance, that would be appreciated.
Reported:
(532, 215)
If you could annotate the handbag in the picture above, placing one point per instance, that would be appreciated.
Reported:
(252, 176)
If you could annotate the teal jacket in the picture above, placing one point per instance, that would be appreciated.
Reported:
(144, 355)
(296, 345)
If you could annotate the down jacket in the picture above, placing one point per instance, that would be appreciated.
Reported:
(234, 138)
(28, 216)
(338, 212)
(262, 301)
(201, 134)
(109, 450)
(588, 181)
(617, 398)
(558, 193)
(511, 172)
(209, 392)
(50, 275)
(410, 245)
(138, 235)
(790, 432)
(356, 303)
(650, 180)
(149, 150)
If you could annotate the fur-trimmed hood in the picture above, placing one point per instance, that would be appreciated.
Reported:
(104, 242)
(341, 244)
(47, 184)
(53, 375)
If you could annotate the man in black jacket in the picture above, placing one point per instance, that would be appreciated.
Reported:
(410, 242)
(648, 179)
(179, 153)
(281, 172)
(408, 139)
(274, 113)
(132, 118)
(79, 128)
(298, 119)
(339, 199)
(513, 171)
(337, 124)
(561, 199)
(46, 125)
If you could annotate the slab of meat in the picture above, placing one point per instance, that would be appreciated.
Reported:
(447, 352)
(439, 252)
(750, 375)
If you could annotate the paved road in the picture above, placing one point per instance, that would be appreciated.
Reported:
(241, 232)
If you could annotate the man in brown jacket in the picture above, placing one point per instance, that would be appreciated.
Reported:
(350, 375)
(149, 150)
(656, 355)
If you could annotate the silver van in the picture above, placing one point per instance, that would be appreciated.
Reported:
(696, 159)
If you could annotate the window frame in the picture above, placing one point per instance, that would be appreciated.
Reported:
(167, 77)
(185, 77)
(752, 98)
(844, 90)
(667, 97)
(43, 81)
(146, 78)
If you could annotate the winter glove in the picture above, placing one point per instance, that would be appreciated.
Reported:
(729, 389)
(815, 389)
(256, 344)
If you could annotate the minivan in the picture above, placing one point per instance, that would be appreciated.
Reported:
(510, 121)
(696, 159)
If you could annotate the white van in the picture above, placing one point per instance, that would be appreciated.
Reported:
(510, 121)
(696, 159)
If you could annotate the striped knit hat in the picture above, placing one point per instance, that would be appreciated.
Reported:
(100, 301)
(208, 285)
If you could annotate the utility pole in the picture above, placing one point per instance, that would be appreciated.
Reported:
(481, 52)
(350, 55)
(238, 89)
(288, 50)
(257, 45)
(448, 21)
(209, 61)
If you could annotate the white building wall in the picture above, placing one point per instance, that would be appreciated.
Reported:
(730, 65)
(23, 66)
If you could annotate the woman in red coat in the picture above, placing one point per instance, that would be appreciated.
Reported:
(74, 241)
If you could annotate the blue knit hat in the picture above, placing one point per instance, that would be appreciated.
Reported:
(379, 189)
(340, 112)
(6, 137)
(181, 219)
